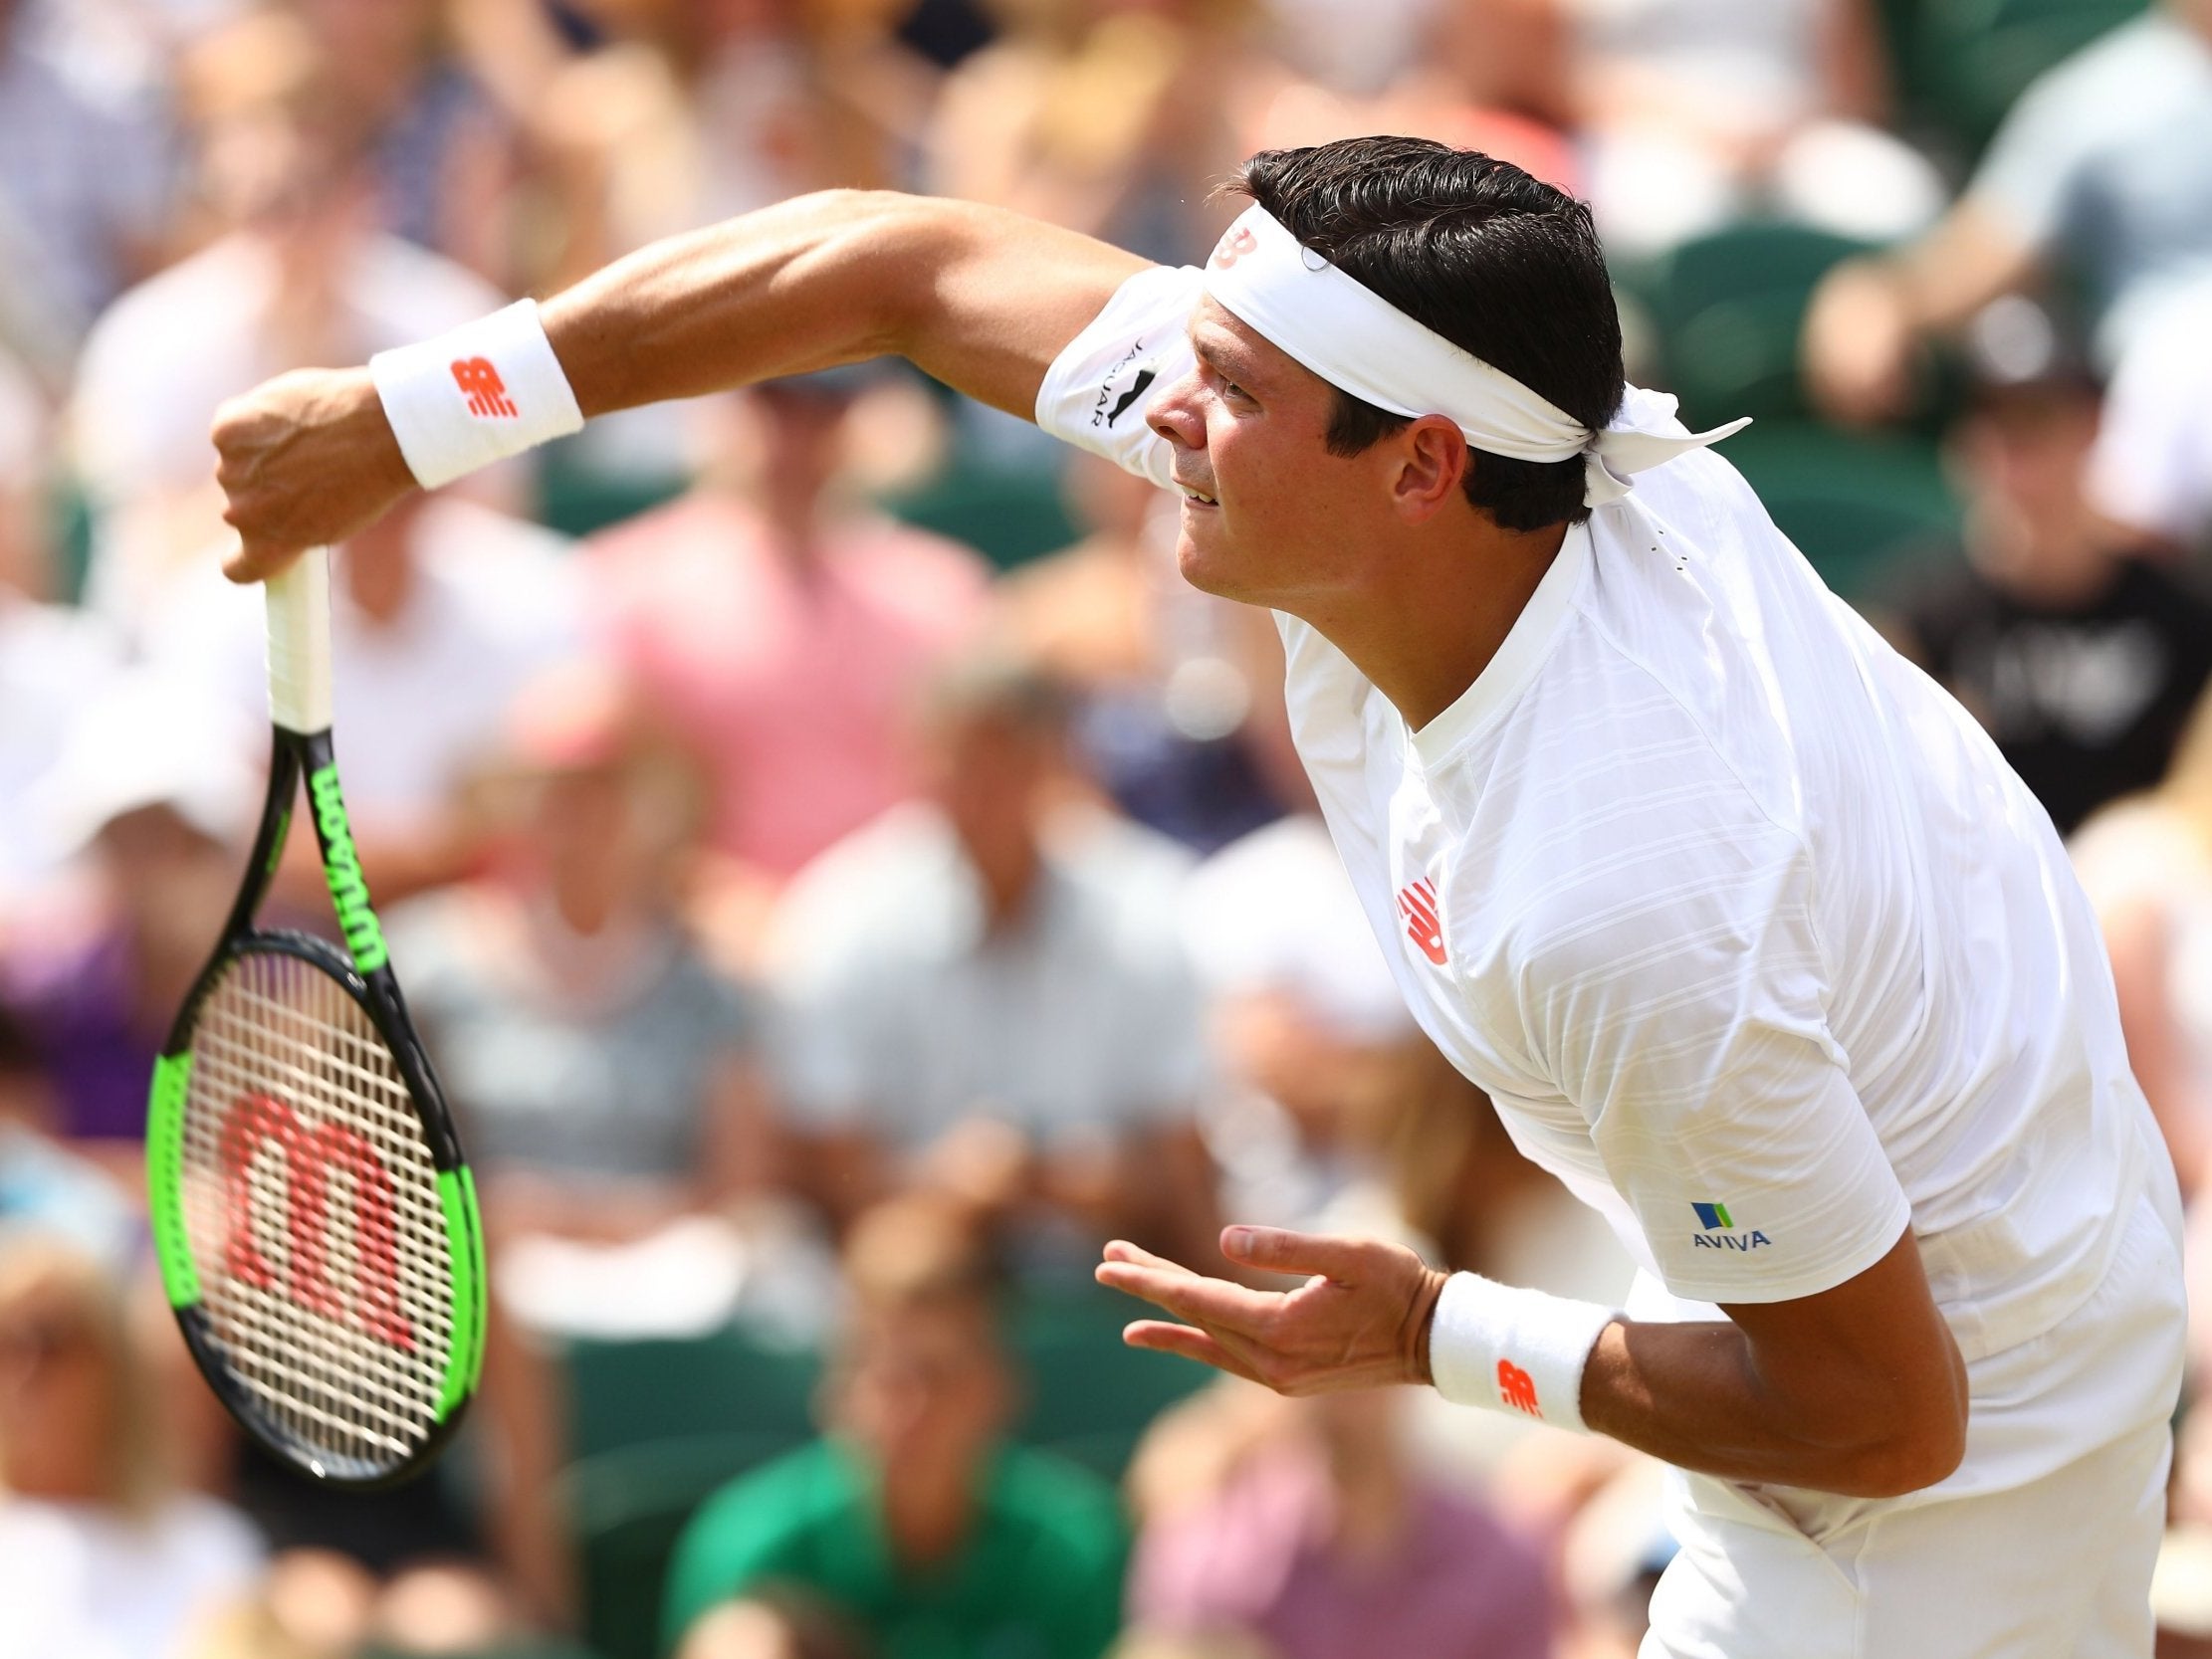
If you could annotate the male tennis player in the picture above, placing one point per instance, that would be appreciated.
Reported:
(1741, 922)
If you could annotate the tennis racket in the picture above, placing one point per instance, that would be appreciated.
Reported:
(315, 1225)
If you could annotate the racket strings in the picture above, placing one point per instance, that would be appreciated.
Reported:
(314, 1214)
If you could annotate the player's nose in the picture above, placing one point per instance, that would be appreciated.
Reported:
(1174, 413)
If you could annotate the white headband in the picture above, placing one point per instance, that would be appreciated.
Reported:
(1357, 340)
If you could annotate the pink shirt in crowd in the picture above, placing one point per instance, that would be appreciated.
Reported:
(1257, 1558)
(794, 682)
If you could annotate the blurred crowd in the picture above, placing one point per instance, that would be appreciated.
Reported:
(843, 876)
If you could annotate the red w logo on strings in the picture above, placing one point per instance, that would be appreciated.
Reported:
(1418, 904)
(311, 1156)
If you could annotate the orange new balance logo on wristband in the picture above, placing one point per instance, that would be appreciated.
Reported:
(487, 392)
(1517, 1388)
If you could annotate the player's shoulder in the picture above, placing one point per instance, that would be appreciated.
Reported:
(1634, 821)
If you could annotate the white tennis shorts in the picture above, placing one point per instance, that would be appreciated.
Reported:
(2053, 1567)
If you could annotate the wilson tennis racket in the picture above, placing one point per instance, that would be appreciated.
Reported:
(316, 1224)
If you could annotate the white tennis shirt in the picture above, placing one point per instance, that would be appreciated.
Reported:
(1751, 935)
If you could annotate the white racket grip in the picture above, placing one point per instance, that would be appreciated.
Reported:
(300, 643)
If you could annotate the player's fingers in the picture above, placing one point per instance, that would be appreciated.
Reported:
(1278, 1250)
(1121, 1250)
(254, 560)
(1160, 1336)
(1188, 1296)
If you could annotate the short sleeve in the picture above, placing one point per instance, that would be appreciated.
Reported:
(1097, 391)
(748, 1533)
(2029, 178)
(2151, 468)
(1685, 1019)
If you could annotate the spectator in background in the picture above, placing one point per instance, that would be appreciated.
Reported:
(440, 614)
(990, 997)
(601, 1073)
(911, 1531)
(2152, 474)
(441, 151)
(100, 1557)
(1311, 1525)
(88, 181)
(1697, 112)
(44, 1185)
(2146, 864)
(1162, 674)
(1113, 117)
(50, 657)
(2081, 660)
(157, 788)
(781, 628)
(302, 274)
(2102, 172)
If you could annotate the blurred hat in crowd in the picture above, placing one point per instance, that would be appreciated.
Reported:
(2015, 344)
(146, 740)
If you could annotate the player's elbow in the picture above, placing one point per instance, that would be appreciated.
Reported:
(1917, 1457)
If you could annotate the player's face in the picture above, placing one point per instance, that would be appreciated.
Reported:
(1270, 516)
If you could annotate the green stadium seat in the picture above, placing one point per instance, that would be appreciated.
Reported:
(1726, 310)
(1853, 503)
(1010, 515)
(628, 1508)
(628, 1393)
(1091, 1397)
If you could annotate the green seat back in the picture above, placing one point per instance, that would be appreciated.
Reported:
(626, 1394)
(1728, 311)
(1852, 503)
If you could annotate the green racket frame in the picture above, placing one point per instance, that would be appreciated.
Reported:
(363, 972)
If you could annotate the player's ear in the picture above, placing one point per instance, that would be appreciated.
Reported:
(1431, 462)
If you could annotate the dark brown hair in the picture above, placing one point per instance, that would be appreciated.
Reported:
(1485, 253)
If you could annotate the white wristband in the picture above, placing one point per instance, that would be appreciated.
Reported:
(1513, 1349)
(475, 394)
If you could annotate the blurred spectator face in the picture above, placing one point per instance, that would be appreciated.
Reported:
(362, 34)
(60, 1385)
(986, 769)
(2024, 453)
(611, 812)
(923, 1386)
(171, 885)
(802, 442)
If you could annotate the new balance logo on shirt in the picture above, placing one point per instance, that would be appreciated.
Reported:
(1418, 904)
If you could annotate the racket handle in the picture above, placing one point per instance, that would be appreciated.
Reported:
(300, 643)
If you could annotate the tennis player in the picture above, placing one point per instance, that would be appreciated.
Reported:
(1741, 922)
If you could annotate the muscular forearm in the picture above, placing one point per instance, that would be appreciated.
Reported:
(1695, 1396)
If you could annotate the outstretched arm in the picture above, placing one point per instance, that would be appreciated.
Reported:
(980, 297)
(1858, 1389)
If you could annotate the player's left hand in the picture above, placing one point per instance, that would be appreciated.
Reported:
(1360, 1321)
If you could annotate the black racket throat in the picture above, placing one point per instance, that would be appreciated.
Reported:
(307, 763)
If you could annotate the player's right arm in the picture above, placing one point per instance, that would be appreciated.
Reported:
(980, 297)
